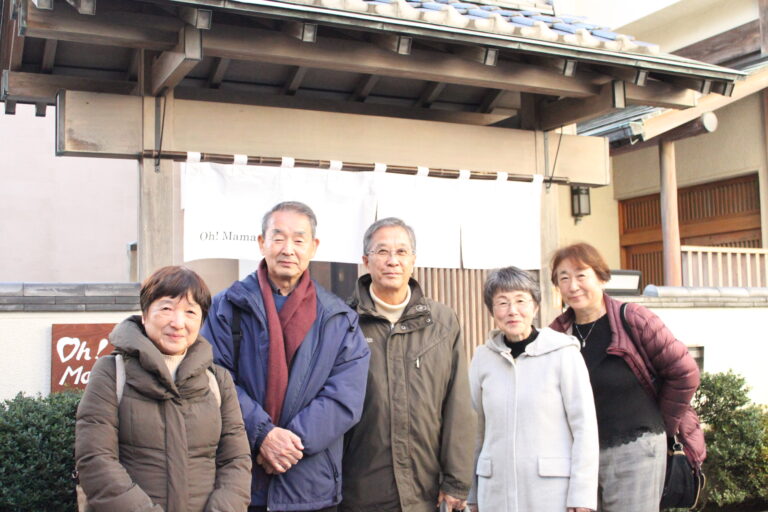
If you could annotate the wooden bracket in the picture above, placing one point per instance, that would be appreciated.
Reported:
(172, 66)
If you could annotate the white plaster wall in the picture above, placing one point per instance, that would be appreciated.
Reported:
(25, 342)
(600, 228)
(733, 338)
(61, 218)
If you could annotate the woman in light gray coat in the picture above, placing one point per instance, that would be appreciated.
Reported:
(537, 446)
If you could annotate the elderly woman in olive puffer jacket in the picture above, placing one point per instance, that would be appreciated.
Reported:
(174, 441)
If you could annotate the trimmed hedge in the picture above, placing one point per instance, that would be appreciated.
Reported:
(37, 443)
(737, 443)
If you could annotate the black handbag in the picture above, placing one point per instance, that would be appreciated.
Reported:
(683, 483)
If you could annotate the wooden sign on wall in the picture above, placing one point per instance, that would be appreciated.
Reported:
(74, 350)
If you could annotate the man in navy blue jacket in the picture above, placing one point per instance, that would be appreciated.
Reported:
(300, 364)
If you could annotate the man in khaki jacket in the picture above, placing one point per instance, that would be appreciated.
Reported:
(413, 447)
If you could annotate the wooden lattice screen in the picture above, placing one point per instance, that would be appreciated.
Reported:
(720, 214)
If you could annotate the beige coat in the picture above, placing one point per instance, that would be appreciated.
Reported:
(170, 447)
(416, 434)
(537, 448)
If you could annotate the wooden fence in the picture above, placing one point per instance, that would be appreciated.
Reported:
(724, 266)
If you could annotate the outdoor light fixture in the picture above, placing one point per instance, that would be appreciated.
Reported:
(580, 202)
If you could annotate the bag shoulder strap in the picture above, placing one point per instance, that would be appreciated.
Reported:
(213, 384)
(119, 377)
(639, 347)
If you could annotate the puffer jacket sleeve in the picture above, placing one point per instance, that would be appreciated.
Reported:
(339, 404)
(671, 362)
(580, 410)
(459, 423)
(219, 333)
(105, 481)
(476, 392)
(232, 490)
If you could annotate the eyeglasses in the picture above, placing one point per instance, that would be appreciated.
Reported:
(385, 254)
(506, 305)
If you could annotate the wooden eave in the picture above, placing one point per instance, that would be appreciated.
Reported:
(172, 42)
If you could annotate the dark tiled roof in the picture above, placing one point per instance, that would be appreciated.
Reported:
(531, 19)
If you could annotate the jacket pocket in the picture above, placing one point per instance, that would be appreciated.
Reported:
(555, 466)
(484, 467)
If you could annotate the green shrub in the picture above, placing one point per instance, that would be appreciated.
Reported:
(37, 440)
(737, 440)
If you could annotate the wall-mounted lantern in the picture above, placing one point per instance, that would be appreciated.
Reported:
(580, 202)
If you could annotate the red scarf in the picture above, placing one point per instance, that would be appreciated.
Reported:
(287, 329)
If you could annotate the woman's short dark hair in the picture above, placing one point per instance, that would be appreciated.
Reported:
(581, 254)
(509, 279)
(175, 281)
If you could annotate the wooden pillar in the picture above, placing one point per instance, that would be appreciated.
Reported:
(160, 226)
(670, 225)
(550, 232)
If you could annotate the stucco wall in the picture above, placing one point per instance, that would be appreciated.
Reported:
(600, 228)
(63, 219)
(737, 147)
(25, 342)
(732, 338)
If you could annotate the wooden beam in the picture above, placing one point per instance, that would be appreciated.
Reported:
(670, 223)
(655, 126)
(17, 47)
(172, 66)
(304, 32)
(726, 46)
(659, 94)
(490, 100)
(429, 94)
(132, 73)
(197, 18)
(706, 123)
(571, 110)
(49, 55)
(10, 107)
(344, 107)
(218, 70)
(128, 30)
(42, 88)
(701, 86)
(84, 6)
(294, 82)
(364, 87)
(40, 109)
(529, 112)
(394, 43)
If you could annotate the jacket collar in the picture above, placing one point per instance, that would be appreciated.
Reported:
(130, 339)
(417, 313)
(547, 341)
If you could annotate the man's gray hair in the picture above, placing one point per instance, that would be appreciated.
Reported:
(387, 222)
(293, 206)
(509, 279)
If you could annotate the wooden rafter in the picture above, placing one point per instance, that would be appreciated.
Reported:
(364, 87)
(173, 65)
(429, 94)
(726, 46)
(490, 100)
(218, 70)
(571, 110)
(39, 88)
(294, 81)
(346, 107)
(304, 32)
(49, 55)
